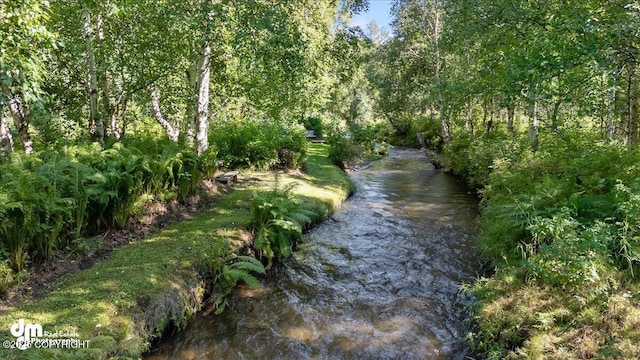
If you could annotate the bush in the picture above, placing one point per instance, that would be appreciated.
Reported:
(342, 148)
(474, 159)
(561, 226)
(314, 124)
(259, 144)
(350, 142)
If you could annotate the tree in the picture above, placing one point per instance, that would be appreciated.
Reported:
(419, 25)
(24, 46)
(6, 139)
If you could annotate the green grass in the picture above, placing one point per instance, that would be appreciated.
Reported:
(121, 303)
(523, 319)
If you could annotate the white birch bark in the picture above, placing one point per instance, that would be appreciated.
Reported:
(96, 126)
(6, 139)
(172, 132)
(202, 119)
(20, 113)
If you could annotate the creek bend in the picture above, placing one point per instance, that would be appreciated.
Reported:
(380, 279)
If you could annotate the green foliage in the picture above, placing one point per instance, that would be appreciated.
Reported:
(474, 159)
(25, 43)
(131, 296)
(50, 199)
(260, 144)
(7, 277)
(348, 143)
(315, 124)
(562, 220)
(226, 269)
(278, 220)
(342, 148)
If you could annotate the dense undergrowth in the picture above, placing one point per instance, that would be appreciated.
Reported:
(349, 142)
(259, 144)
(562, 228)
(52, 200)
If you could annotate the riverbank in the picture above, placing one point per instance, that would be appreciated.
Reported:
(116, 307)
(560, 228)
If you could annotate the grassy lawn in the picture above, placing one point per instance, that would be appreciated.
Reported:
(121, 303)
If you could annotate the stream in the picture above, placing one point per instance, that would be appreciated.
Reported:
(380, 279)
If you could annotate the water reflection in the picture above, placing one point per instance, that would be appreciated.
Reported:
(379, 280)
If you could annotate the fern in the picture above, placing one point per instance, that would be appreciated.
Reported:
(228, 269)
(278, 220)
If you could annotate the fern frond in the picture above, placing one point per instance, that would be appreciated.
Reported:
(300, 218)
(248, 263)
(236, 275)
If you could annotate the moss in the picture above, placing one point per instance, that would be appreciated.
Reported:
(120, 304)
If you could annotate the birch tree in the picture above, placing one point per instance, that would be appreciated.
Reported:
(96, 123)
(6, 139)
(24, 48)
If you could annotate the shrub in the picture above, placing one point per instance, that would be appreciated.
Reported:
(342, 148)
(278, 221)
(314, 124)
(561, 225)
(259, 144)
(474, 159)
(350, 142)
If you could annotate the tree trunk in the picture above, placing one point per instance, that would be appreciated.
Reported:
(484, 113)
(202, 119)
(611, 113)
(172, 133)
(116, 113)
(192, 106)
(110, 111)
(511, 110)
(554, 114)
(633, 107)
(535, 124)
(6, 139)
(96, 126)
(491, 116)
(20, 113)
(468, 124)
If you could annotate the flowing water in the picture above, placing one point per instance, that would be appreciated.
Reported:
(380, 279)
